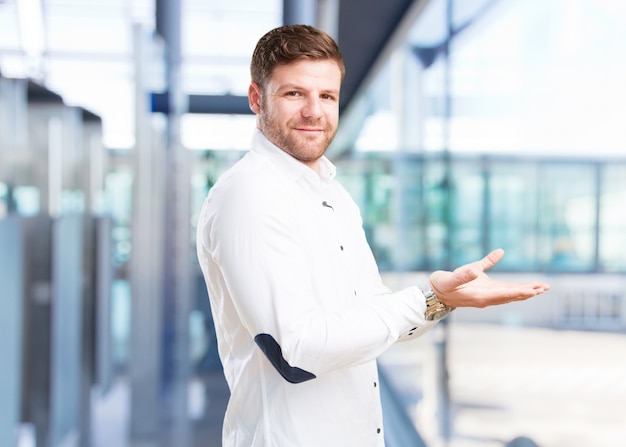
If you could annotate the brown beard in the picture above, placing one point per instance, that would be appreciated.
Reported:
(299, 147)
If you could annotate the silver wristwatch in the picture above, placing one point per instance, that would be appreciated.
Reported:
(435, 309)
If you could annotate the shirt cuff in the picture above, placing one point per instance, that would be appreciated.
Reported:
(421, 325)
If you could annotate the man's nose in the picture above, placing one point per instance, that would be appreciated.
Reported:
(312, 107)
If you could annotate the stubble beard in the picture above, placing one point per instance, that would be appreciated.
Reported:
(306, 150)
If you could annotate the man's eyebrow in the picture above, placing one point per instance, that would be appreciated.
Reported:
(334, 91)
(292, 86)
(289, 86)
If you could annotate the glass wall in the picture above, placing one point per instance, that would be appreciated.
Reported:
(612, 225)
(425, 212)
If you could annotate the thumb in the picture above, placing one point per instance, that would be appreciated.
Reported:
(491, 259)
(444, 281)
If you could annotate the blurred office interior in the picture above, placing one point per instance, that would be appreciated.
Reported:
(466, 125)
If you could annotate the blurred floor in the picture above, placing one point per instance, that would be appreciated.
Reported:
(558, 388)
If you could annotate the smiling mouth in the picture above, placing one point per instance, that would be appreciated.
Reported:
(306, 129)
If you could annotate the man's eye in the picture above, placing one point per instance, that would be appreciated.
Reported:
(293, 93)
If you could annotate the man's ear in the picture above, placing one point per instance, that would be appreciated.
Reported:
(254, 97)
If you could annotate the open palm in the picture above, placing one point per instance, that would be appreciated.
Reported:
(470, 286)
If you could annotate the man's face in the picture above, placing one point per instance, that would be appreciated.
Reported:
(299, 109)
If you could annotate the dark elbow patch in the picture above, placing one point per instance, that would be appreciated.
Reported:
(274, 354)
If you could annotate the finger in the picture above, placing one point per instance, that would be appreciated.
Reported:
(444, 281)
(541, 287)
(491, 259)
(471, 271)
(519, 292)
(537, 286)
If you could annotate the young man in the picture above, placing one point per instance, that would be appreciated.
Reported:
(300, 310)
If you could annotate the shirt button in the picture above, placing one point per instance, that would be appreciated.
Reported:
(375, 384)
(341, 247)
(378, 430)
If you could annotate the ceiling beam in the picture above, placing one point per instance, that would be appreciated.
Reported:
(369, 30)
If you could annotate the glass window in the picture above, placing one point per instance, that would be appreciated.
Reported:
(467, 211)
(408, 212)
(612, 237)
(512, 215)
(437, 223)
(567, 216)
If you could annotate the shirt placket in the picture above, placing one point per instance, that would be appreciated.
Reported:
(338, 243)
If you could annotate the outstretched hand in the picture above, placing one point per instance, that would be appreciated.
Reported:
(469, 285)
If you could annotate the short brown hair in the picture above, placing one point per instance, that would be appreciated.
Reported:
(289, 43)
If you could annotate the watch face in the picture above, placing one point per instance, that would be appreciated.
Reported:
(439, 314)
(435, 310)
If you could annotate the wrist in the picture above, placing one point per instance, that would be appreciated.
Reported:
(435, 309)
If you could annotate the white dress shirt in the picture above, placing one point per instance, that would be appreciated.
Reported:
(299, 307)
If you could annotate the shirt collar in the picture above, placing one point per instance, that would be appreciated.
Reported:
(288, 164)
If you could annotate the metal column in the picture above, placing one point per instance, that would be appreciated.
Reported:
(12, 280)
(178, 248)
(300, 12)
(145, 263)
(162, 251)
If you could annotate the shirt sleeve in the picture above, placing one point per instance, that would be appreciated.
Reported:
(255, 240)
